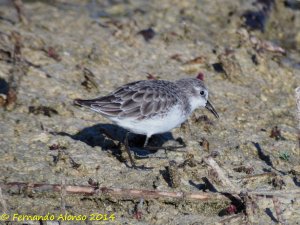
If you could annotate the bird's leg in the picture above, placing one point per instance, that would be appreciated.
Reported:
(167, 148)
(130, 157)
(146, 141)
(145, 146)
(128, 150)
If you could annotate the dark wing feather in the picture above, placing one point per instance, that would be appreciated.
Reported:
(130, 104)
(141, 99)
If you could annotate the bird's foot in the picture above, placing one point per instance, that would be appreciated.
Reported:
(141, 168)
(166, 148)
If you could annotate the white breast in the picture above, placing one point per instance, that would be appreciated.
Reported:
(154, 125)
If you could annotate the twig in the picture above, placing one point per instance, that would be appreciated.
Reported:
(89, 82)
(297, 90)
(173, 174)
(250, 207)
(138, 211)
(278, 193)
(36, 66)
(3, 202)
(63, 194)
(266, 45)
(221, 174)
(121, 193)
(255, 176)
(234, 219)
(17, 72)
(19, 6)
(278, 210)
(139, 193)
(129, 194)
(259, 44)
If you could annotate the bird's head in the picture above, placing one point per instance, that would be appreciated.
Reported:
(197, 93)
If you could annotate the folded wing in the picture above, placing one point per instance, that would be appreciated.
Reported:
(138, 100)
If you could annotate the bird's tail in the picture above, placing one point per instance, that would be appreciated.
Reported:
(82, 102)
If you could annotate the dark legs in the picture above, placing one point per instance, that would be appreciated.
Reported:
(128, 150)
(151, 148)
(130, 156)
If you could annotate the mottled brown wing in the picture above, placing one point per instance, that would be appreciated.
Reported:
(141, 99)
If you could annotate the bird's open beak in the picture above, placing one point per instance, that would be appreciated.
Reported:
(211, 109)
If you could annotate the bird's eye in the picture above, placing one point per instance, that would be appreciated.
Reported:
(202, 93)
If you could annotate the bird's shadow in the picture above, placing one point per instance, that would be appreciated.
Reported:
(109, 137)
(4, 86)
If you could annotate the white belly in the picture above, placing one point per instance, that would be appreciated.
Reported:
(154, 125)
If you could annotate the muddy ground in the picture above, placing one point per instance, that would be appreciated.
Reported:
(61, 50)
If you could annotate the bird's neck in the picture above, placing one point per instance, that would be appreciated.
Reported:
(196, 103)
